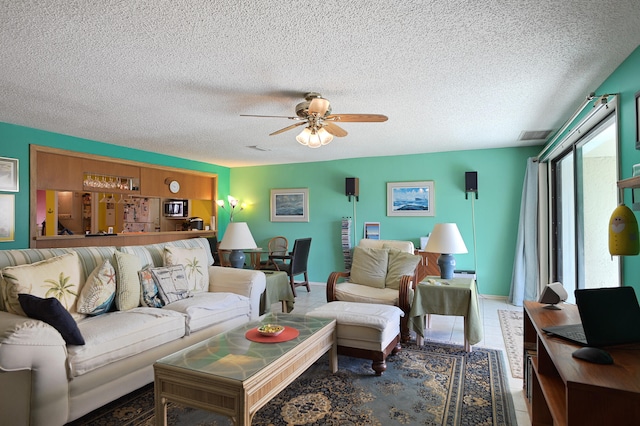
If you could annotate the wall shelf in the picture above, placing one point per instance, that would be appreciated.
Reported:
(632, 182)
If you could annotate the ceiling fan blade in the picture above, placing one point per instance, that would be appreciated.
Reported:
(293, 126)
(355, 118)
(335, 130)
(318, 106)
(270, 116)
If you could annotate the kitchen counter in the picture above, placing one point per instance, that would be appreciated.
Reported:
(123, 239)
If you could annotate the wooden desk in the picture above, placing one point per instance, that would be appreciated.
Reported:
(562, 390)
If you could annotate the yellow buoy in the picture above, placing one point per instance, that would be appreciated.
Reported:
(623, 232)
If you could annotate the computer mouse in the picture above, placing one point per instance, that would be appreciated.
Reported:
(595, 355)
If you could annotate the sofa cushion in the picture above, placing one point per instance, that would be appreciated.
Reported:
(406, 246)
(195, 264)
(98, 291)
(172, 283)
(149, 295)
(400, 263)
(127, 281)
(369, 266)
(350, 292)
(121, 334)
(51, 311)
(198, 242)
(207, 309)
(57, 277)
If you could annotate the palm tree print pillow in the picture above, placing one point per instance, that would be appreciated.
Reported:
(195, 262)
(58, 277)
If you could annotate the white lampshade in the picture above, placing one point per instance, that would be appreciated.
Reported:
(237, 237)
(445, 238)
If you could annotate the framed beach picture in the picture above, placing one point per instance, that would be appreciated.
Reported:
(290, 205)
(8, 174)
(7, 218)
(411, 198)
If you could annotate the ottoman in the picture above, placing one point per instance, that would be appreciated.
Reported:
(365, 330)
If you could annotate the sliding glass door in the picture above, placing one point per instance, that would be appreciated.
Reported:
(584, 196)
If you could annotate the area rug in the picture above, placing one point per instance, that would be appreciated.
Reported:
(437, 384)
(512, 324)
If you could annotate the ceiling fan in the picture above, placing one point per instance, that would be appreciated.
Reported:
(320, 123)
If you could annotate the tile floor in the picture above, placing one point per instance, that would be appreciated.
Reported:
(446, 329)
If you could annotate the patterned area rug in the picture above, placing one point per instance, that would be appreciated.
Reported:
(512, 324)
(437, 384)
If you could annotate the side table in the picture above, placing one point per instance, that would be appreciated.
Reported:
(278, 288)
(456, 296)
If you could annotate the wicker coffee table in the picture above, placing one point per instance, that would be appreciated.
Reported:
(231, 375)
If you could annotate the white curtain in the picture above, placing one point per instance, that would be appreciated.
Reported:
(524, 281)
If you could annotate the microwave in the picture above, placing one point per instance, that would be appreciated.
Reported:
(176, 208)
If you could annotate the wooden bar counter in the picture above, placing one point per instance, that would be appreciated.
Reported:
(118, 240)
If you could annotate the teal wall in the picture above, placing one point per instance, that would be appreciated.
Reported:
(15, 142)
(625, 80)
(500, 179)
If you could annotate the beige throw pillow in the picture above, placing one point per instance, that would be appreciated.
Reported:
(127, 281)
(400, 263)
(57, 277)
(369, 266)
(195, 262)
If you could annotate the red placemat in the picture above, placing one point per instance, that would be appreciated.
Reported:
(288, 333)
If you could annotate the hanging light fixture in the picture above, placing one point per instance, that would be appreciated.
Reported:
(314, 136)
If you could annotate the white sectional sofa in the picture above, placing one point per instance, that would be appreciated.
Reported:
(45, 381)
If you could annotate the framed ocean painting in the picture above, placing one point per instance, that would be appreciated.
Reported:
(290, 205)
(411, 198)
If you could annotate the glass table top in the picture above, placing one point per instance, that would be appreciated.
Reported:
(231, 355)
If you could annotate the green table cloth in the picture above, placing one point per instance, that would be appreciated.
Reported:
(278, 289)
(456, 296)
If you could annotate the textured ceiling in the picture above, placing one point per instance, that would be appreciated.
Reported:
(173, 76)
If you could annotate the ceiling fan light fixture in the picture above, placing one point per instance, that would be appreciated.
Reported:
(314, 137)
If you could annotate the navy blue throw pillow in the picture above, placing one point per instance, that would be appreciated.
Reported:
(51, 311)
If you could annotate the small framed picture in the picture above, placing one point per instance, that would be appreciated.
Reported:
(638, 120)
(411, 198)
(8, 174)
(290, 205)
(7, 218)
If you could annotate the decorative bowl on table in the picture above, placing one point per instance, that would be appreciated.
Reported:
(270, 329)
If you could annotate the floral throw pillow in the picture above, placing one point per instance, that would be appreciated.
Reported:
(195, 262)
(149, 295)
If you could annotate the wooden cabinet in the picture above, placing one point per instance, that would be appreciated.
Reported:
(562, 390)
(59, 172)
(429, 265)
(195, 187)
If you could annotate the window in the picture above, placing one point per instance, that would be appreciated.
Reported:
(583, 195)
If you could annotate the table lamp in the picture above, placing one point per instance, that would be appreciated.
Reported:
(446, 240)
(237, 238)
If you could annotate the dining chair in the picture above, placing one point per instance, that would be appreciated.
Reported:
(295, 263)
(278, 246)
